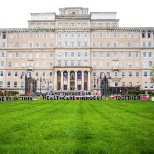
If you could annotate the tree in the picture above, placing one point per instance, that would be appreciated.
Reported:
(152, 70)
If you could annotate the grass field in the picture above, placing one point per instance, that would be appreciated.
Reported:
(80, 127)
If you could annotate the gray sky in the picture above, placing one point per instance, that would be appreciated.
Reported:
(132, 13)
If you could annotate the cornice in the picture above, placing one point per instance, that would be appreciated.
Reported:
(130, 29)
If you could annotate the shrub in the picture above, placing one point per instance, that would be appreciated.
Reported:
(1, 93)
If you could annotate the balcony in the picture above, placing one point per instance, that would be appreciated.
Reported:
(30, 68)
(115, 68)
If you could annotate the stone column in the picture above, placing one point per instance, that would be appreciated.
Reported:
(55, 80)
(68, 80)
(82, 81)
(89, 81)
(76, 80)
(62, 79)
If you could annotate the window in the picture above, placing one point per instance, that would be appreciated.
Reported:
(101, 55)
(122, 55)
(94, 54)
(128, 35)
(145, 84)
(137, 54)
(44, 54)
(148, 34)
(59, 54)
(15, 84)
(30, 44)
(122, 64)
(65, 35)
(93, 64)
(121, 35)
(51, 44)
(108, 64)
(72, 35)
(37, 54)
(136, 44)
(51, 35)
(59, 35)
(23, 45)
(9, 64)
(8, 84)
(43, 64)
(115, 44)
(121, 44)
(143, 34)
(51, 64)
(1, 64)
(79, 63)
(85, 63)
(149, 44)
(123, 74)
(135, 35)
(23, 64)
(107, 25)
(93, 35)
(129, 64)
(10, 55)
(108, 44)
(94, 73)
(31, 35)
(44, 45)
(116, 84)
(2, 54)
(79, 44)
(85, 35)
(137, 74)
(79, 35)
(51, 54)
(100, 25)
(72, 44)
(85, 54)
(65, 63)
(65, 54)
(100, 35)
(1, 73)
(144, 54)
(17, 55)
(114, 35)
(30, 55)
(50, 73)
(36, 64)
(79, 54)
(143, 44)
(9, 73)
(22, 84)
(72, 54)
(150, 54)
(114, 25)
(24, 36)
(101, 64)
(15, 73)
(137, 64)
(17, 44)
(123, 84)
(85, 44)
(59, 44)
(129, 44)
(10, 45)
(1, 83)
(11, 36)
(130, 84)
(100, 44)
(107, 35)
(115, 73)
(115, 54)
(72, 24)
(130, 73)
(145, 73)
(129, 54)
(108, 55)
(43, 73)
(72, 63)
(150, 63)
(93, 44)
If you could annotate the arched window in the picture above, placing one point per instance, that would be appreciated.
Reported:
(73, 13)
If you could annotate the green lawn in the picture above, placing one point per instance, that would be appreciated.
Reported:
(80, 127)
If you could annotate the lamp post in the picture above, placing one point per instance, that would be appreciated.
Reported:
(94, 83)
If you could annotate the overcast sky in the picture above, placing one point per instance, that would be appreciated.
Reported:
(132, 13)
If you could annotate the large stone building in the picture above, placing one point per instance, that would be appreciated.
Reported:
(73, 50)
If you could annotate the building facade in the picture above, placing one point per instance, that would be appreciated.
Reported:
(73, 51)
